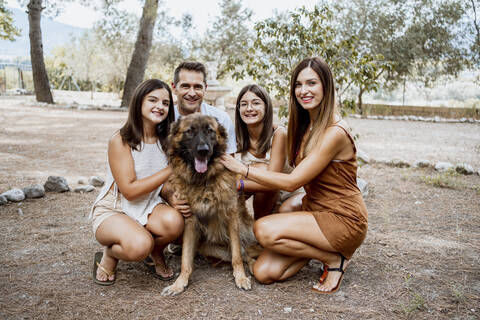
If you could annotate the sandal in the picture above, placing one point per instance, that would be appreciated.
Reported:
(324, 275)
(96, 265)
(151, 267)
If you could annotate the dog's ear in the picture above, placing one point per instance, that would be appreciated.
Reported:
(221, 131)
(174, 127)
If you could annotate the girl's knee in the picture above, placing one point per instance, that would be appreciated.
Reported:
(138, 247)
(172, 222)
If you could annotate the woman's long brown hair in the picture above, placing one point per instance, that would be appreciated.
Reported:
(299, 118)
(132, 130)
(241, 131)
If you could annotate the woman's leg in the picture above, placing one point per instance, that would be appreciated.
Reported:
(124, 239)
(165, 224)
(290, 239)
(292, 204)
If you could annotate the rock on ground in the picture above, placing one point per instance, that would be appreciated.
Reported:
(464, 168)
(362, 157)
(87, 188)
(35, 191)
(3, 200)
(399, 163)
(363, 186)
(83, 180)
(443, 166)
(422, 164)
(56, 184)
(96, 181)
(15, 195)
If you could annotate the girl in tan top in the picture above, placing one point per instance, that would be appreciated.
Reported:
(333, 220)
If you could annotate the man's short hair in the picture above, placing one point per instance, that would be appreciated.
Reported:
(191, 66)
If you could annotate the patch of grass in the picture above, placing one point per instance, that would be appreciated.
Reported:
(458, 293)
(447, 179)
(416, 302)
(477, 189)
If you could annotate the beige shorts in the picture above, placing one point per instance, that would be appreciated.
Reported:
(104, 209)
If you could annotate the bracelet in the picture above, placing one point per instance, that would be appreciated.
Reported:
(242, 186)
(248, 169)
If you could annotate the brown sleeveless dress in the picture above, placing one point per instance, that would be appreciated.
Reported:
(336, 202)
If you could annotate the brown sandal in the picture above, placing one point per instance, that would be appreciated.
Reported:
(96, 265)
(324, 275)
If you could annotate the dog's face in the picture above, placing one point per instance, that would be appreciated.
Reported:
(198, 140)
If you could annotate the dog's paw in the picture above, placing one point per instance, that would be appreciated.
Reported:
(173, 290)
(243, 282)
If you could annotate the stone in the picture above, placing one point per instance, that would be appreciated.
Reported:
(413, 118)
(82, 189)
(96, 181)
(399, 163)
(422, 164)
(362, 157)
(363, 186)
(287, 309)
(56, 184)
(20, 212)
(3, 200)
(464, 168)
(443, 166)
(35, 191)
(83, 180)
(15, 195)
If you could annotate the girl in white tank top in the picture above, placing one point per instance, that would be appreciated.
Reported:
(129, 217)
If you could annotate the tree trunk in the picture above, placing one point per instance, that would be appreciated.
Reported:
(360, 103)
(40, 78)
(141, 53)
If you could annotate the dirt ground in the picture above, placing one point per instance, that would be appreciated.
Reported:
(420, 259)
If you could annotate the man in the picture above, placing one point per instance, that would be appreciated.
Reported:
(189, 86)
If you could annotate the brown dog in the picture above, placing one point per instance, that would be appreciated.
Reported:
(220, 225)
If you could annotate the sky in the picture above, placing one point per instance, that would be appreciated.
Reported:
(202, 11)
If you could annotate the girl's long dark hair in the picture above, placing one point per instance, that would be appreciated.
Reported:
(241, 131)
(299, 118)
(132, 130)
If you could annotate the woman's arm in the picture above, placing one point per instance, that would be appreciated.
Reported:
(334, 141)
(123, 171)
(277, 160)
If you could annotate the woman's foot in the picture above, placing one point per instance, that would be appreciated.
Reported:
(332, 278)
(106, 268)
(162, 270)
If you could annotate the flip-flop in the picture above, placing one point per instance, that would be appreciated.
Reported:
(325, 274)
(148, 262)
(96, 265)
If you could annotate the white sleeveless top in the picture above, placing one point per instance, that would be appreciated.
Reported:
(148, 161)
(248, 158)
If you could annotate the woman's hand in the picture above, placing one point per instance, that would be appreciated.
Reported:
(180, 204)
(233, 165)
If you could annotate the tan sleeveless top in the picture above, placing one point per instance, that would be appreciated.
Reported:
(336, 202)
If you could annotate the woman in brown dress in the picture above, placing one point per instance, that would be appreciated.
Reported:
(333, 220)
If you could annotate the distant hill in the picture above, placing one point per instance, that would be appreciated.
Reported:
(53, 33)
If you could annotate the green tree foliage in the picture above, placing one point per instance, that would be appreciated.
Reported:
(7, 29)
(226, 37)
(283, 41)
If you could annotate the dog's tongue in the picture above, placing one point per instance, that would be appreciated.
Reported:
(200, 165)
